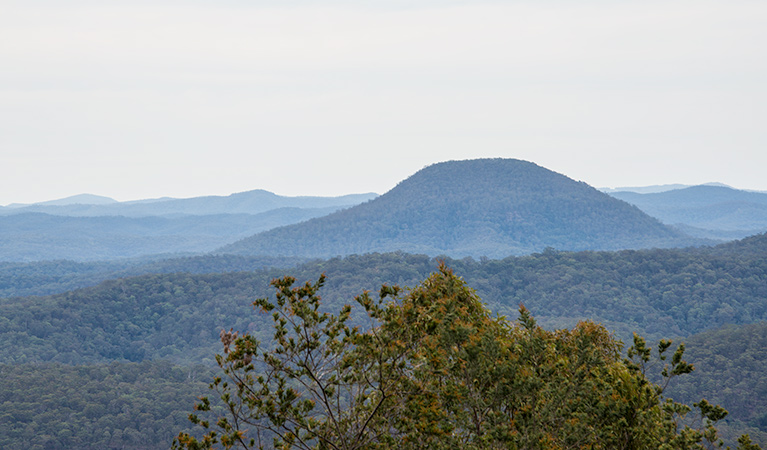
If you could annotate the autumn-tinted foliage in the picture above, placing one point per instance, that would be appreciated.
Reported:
(435, 370)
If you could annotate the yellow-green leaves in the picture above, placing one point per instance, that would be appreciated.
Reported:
(435, 370)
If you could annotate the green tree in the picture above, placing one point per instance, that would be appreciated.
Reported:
(434, 369)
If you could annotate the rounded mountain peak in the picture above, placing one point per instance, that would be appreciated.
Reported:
(491, 207)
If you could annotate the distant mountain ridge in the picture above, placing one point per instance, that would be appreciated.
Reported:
(90, 228)
(484, 207)
(705, 211)
(84, 199)
(249, 202)
(654, 189)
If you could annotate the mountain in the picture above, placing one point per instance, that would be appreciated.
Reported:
(250, 202)
(38, 236)
(705, 211)
(645, 189)
(485, 207)
(81, 199)
(655, 188)
(88, 228)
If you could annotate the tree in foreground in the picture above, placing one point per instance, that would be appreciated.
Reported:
(435, 370)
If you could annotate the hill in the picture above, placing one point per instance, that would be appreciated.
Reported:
(250, 202)
(22, 279)
(658, 293)
(486, 207)
(82, 199)
(655, 188)
(177, 317)
(707, 211)
(38, 236)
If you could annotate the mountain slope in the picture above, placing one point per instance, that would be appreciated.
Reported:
(657, 293)
(730, 370)
(712, 210)
(179, 317)
(490, 207)
(22, 279)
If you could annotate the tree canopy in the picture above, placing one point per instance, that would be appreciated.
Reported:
(434, 369)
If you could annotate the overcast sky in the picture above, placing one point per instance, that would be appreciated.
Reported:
(144, 99)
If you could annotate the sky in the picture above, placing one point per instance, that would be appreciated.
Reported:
(170, 98)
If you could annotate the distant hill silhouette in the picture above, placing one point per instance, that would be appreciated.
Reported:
(88, 227)
(86, 199)
(654, 189)
(251, 202)
(705, 211)
(490, 207)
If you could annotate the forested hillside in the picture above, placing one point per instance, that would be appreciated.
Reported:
(18, 279)
(705, 211)
(658, 293)
(111, 406)
(731, 370)
(487, 207)
(109, 230)
(178, 317)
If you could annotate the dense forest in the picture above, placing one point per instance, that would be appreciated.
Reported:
(19, 279)
(177, 317)
(658, 293)
(109, 406)
(730, 370)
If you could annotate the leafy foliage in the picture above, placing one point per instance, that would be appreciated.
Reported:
(437, 371)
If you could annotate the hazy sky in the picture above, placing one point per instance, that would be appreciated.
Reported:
(142, 99)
